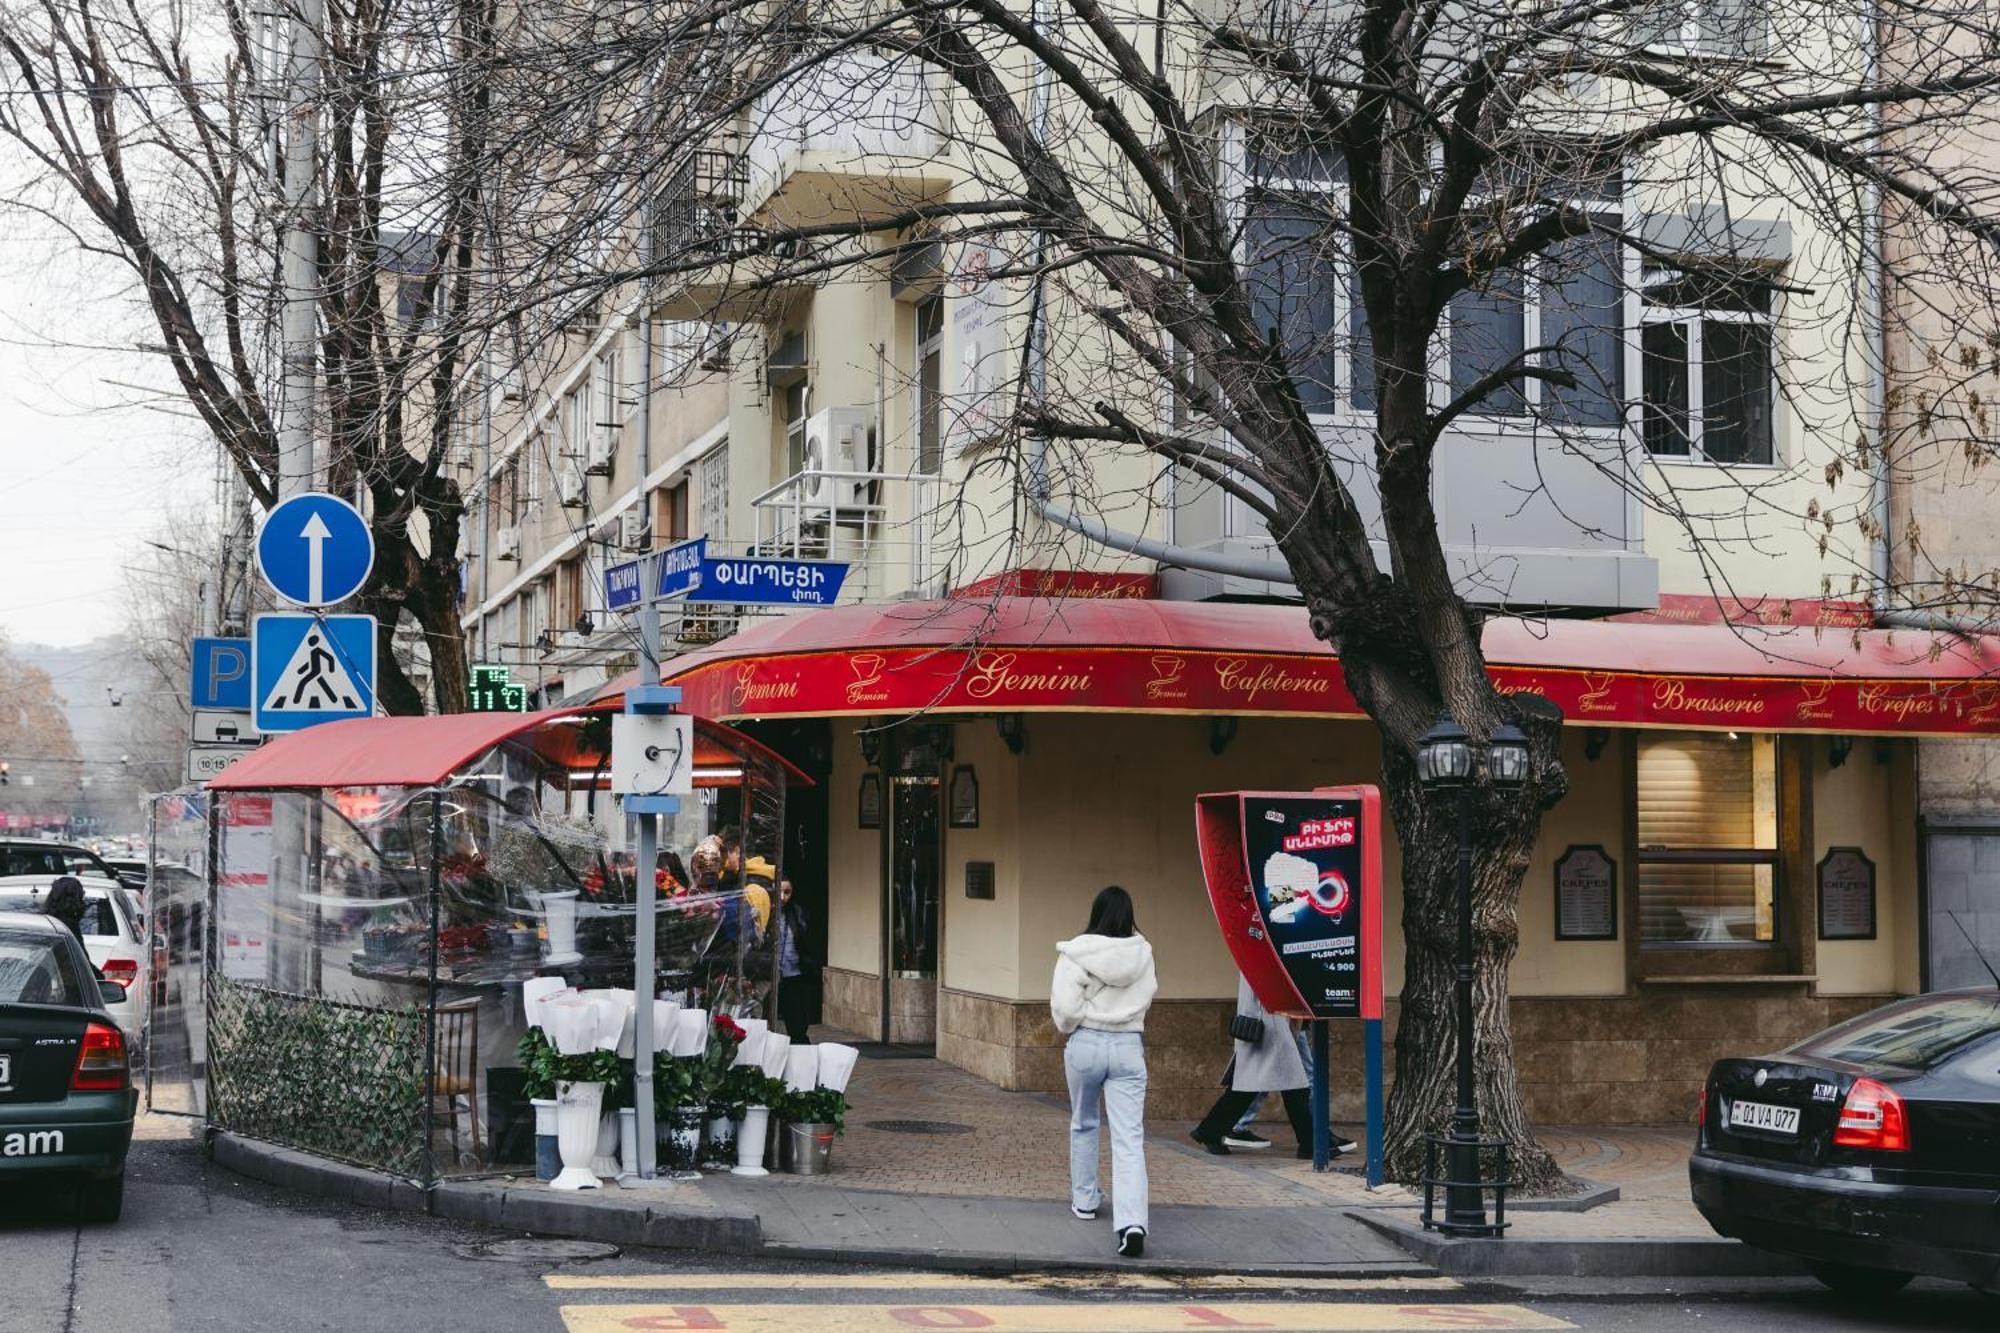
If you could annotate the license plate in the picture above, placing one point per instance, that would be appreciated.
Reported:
(1764, 1118)
(6, 1072)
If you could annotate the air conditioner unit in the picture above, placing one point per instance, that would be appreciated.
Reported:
(632, 531)
(572, 487)
(601, 449)
(510, 384)
(507, 544)
(836, 441)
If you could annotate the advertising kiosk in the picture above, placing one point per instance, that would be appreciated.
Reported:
(1295, 878)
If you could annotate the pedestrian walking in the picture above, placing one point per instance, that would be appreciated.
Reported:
(1104, 984)
(1271, 1063)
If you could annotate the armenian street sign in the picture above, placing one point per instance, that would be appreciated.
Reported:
(748, 581)
(220, 678)
(308, 669)
(662, 576)
(315, 550)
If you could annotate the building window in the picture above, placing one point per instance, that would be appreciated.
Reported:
(510, 495)
(1569, 299)
(1709, 359)
(1736, 28)
(930, 404)
(1708, 822)
(796, 406)
(670, 513)
(714, 468)
(569, 585)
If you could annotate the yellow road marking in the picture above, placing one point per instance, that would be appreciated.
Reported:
(769, 1282)
(1047, 1317)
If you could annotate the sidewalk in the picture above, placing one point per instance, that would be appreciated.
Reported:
(940, 1169)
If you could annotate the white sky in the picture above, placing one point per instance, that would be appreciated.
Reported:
(86, 471)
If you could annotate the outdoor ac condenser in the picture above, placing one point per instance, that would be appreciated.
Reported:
(572, 487)
(507, 544)
(836, 441)
(603, 448)
(632, 531)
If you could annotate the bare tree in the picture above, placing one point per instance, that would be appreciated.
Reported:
(1244, 232)
(155, 128)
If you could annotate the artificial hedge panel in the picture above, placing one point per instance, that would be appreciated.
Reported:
(342, 1080)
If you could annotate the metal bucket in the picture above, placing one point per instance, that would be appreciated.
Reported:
(812, 1149)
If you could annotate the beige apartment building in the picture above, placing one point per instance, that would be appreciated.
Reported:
(1022, 692)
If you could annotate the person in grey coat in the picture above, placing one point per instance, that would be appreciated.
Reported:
(1269, 1065)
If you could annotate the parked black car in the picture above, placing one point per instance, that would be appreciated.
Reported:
(66, 1095)
(1871, 1150)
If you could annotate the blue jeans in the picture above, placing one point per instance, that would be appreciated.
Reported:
(1112, 1064)
(1249, 1117)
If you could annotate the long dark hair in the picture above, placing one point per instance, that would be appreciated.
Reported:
(1111, 914)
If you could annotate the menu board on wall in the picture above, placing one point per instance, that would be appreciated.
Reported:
(1586, 894)
(1846, 895)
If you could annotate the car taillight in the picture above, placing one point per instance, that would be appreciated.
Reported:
(101, 1065)
(1701, 1111)
(1873, 1117)
(123, 971)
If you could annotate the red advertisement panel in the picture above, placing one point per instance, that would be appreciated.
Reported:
(1295, 879)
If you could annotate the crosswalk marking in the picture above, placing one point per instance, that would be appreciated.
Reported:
(769, 1282)
(1052, 1317)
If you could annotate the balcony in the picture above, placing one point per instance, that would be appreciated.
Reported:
(885, 526)
(852, 140)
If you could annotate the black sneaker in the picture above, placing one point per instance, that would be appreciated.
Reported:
(1334, 1149)
(1216, 1146)
(1132, 1242)
(1083, 1214)
(1245, 1138)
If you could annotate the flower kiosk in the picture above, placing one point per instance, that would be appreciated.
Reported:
(422, 928)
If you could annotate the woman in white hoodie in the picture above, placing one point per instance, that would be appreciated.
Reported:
(1104, 984)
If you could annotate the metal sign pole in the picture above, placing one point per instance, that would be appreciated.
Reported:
(643, 968)
(1321, 1099)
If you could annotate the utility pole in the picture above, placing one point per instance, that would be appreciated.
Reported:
(300, 316)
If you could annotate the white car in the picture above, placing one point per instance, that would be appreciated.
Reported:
(113, 936)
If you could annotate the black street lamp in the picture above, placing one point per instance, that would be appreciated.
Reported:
(1444, 763)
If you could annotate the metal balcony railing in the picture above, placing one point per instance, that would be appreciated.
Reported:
(880, 523)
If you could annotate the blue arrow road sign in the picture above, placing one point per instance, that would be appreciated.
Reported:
(308, 669)
(315, 550)
(221, 677)
(752, 582)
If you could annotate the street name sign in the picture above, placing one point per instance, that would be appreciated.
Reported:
(205, 761)
(309, 669)
(759, 582)
(661, 576)
(212, 728)
(220, 678)
(315, 550)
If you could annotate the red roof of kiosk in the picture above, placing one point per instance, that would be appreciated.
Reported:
(1131, 655)
(424, 751)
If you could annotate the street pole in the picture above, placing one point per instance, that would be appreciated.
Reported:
(644, 984)
(299, 332)
(1465, 1205)
(1322, 1101)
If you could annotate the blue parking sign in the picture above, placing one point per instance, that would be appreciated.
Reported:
(220, 679)
(309, 669)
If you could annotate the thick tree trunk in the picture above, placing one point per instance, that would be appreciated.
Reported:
(1504, 827)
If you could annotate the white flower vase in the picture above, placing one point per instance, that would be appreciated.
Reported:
(559, 914)
(605, 1163)
(628, 1141)
(750, 1142)
(578, 1123)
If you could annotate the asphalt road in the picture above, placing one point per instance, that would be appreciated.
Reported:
(205, 1251)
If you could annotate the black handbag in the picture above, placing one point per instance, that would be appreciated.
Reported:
(1247, 1027)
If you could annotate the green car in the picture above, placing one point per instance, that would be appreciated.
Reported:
(66, 1095)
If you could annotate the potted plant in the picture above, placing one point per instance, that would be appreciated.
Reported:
(539, 1065)
(677, 1117)
(812, 1118)
(615, 1073)
(748, 1094)
(717, 1063)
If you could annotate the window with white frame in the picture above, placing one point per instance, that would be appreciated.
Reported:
(1735, 28)
(930, 402)
(609, 392)
(534, 462)
(1569, 299)
(1708, 358)
(713, 470)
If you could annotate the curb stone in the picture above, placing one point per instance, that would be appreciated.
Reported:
(1478, 1257)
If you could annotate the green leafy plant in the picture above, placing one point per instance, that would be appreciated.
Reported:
(674, 1082)
(746, 1086)
(545, 1066)
(817, 1106)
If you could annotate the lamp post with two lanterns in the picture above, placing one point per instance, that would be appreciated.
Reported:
(1445, 764)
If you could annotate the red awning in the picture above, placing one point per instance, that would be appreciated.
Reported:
(1094, 655)
(424, 751)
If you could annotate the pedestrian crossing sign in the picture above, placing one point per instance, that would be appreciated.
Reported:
(307, 669)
